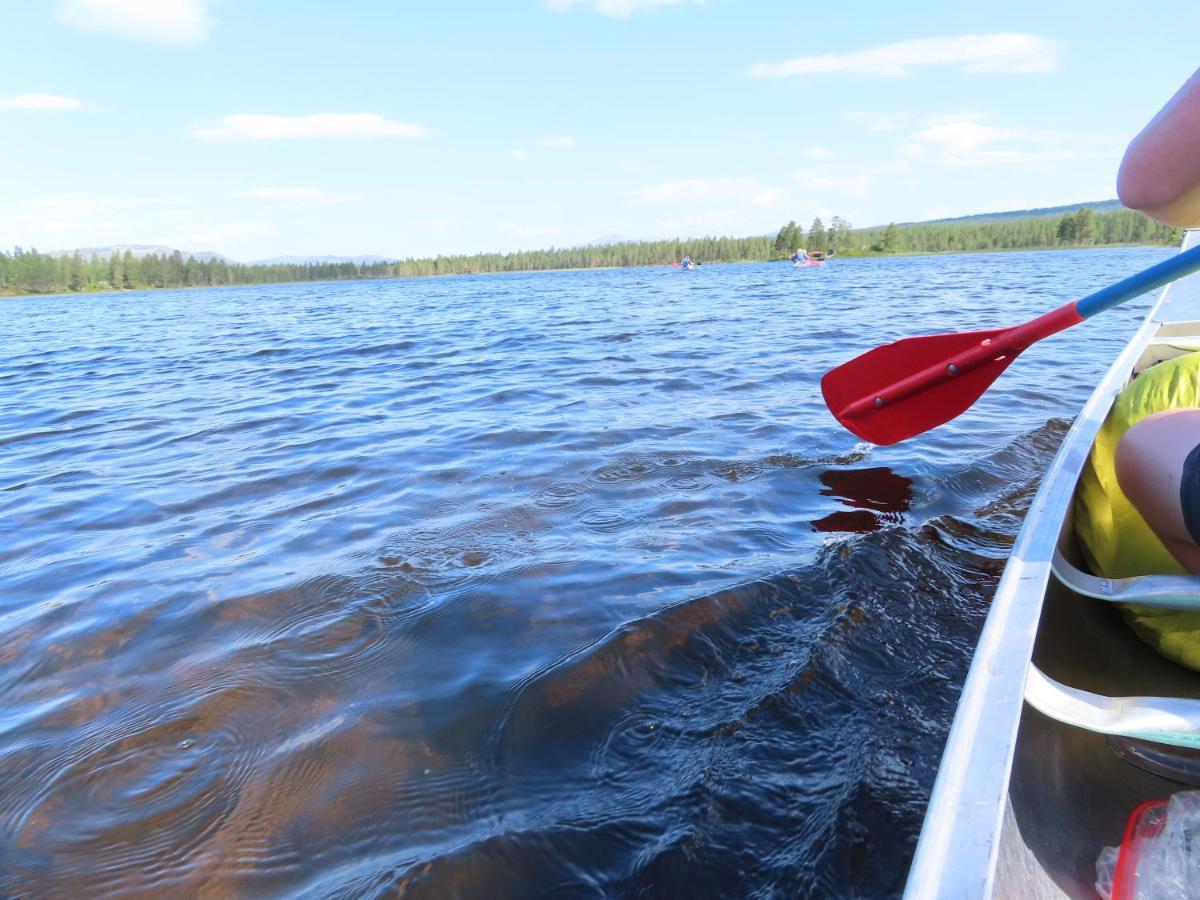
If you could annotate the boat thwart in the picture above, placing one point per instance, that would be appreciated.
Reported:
(1067, 721)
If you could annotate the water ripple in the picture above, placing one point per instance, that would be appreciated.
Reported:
(503, 586)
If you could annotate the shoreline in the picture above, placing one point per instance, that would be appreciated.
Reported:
(740, 262)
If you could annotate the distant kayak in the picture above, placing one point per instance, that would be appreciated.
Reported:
(807, 264)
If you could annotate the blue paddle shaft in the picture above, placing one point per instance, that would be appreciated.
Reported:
(1152, 278)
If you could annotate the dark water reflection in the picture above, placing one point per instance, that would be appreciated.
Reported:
(499, 587)
(877, 496)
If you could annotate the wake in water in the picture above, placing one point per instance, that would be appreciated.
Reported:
(778, 736)
(506, 586)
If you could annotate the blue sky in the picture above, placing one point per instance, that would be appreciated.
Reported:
(264, 127)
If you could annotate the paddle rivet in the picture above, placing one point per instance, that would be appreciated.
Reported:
(952, 369)
(879, 401)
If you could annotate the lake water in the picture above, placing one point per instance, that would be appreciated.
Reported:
(553, 584)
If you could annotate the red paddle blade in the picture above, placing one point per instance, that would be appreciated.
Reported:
(903, 389)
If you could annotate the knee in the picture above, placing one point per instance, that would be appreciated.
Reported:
(1134, 462)
(1149, 463)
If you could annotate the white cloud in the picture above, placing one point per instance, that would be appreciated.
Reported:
(295, 196)
(67, 220)
(159, 21)
(1012, 155)
(447, 223)
(964, 137)
(857, 186)
(347, 126)
(53, 212)
(878, 121)
(57, 221)
(965, 141)
(552, 142)
(995, 54)
(817, 153)
(49, 102)
(209, 234)
(617, 9)
(968, 139)
(709, 222)
(529, 231)
(744, 190)
(856, 182)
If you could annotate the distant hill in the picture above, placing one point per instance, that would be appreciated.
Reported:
(311, 260)
(138, 251)
(1044, 212)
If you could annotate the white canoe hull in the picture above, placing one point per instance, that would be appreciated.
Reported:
(1023, 804)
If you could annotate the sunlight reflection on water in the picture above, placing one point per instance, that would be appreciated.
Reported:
(503, 586)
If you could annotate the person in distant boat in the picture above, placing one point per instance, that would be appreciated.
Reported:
(686, 262)
(800, 256)
(1158, 457)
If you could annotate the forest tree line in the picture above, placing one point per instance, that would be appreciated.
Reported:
(1082, 228)
(30, 272)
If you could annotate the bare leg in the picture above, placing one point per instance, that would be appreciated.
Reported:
(1150, 458)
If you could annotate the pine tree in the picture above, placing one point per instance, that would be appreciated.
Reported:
(795, 237)
(839, 234)
(131, 271)
(817, 238)
(116, 272)
(781, 241)
(890, 239)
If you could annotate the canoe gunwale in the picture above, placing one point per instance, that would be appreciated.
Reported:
(960, 840)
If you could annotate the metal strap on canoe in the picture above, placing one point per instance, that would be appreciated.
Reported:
(1158, 591)
(1164, 720)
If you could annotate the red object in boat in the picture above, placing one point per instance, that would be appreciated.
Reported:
(1145, 822)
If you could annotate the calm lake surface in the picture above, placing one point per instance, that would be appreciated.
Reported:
(556, 584)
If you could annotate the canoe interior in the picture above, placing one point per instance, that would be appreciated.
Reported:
(1071, 790)
(1022, 806)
